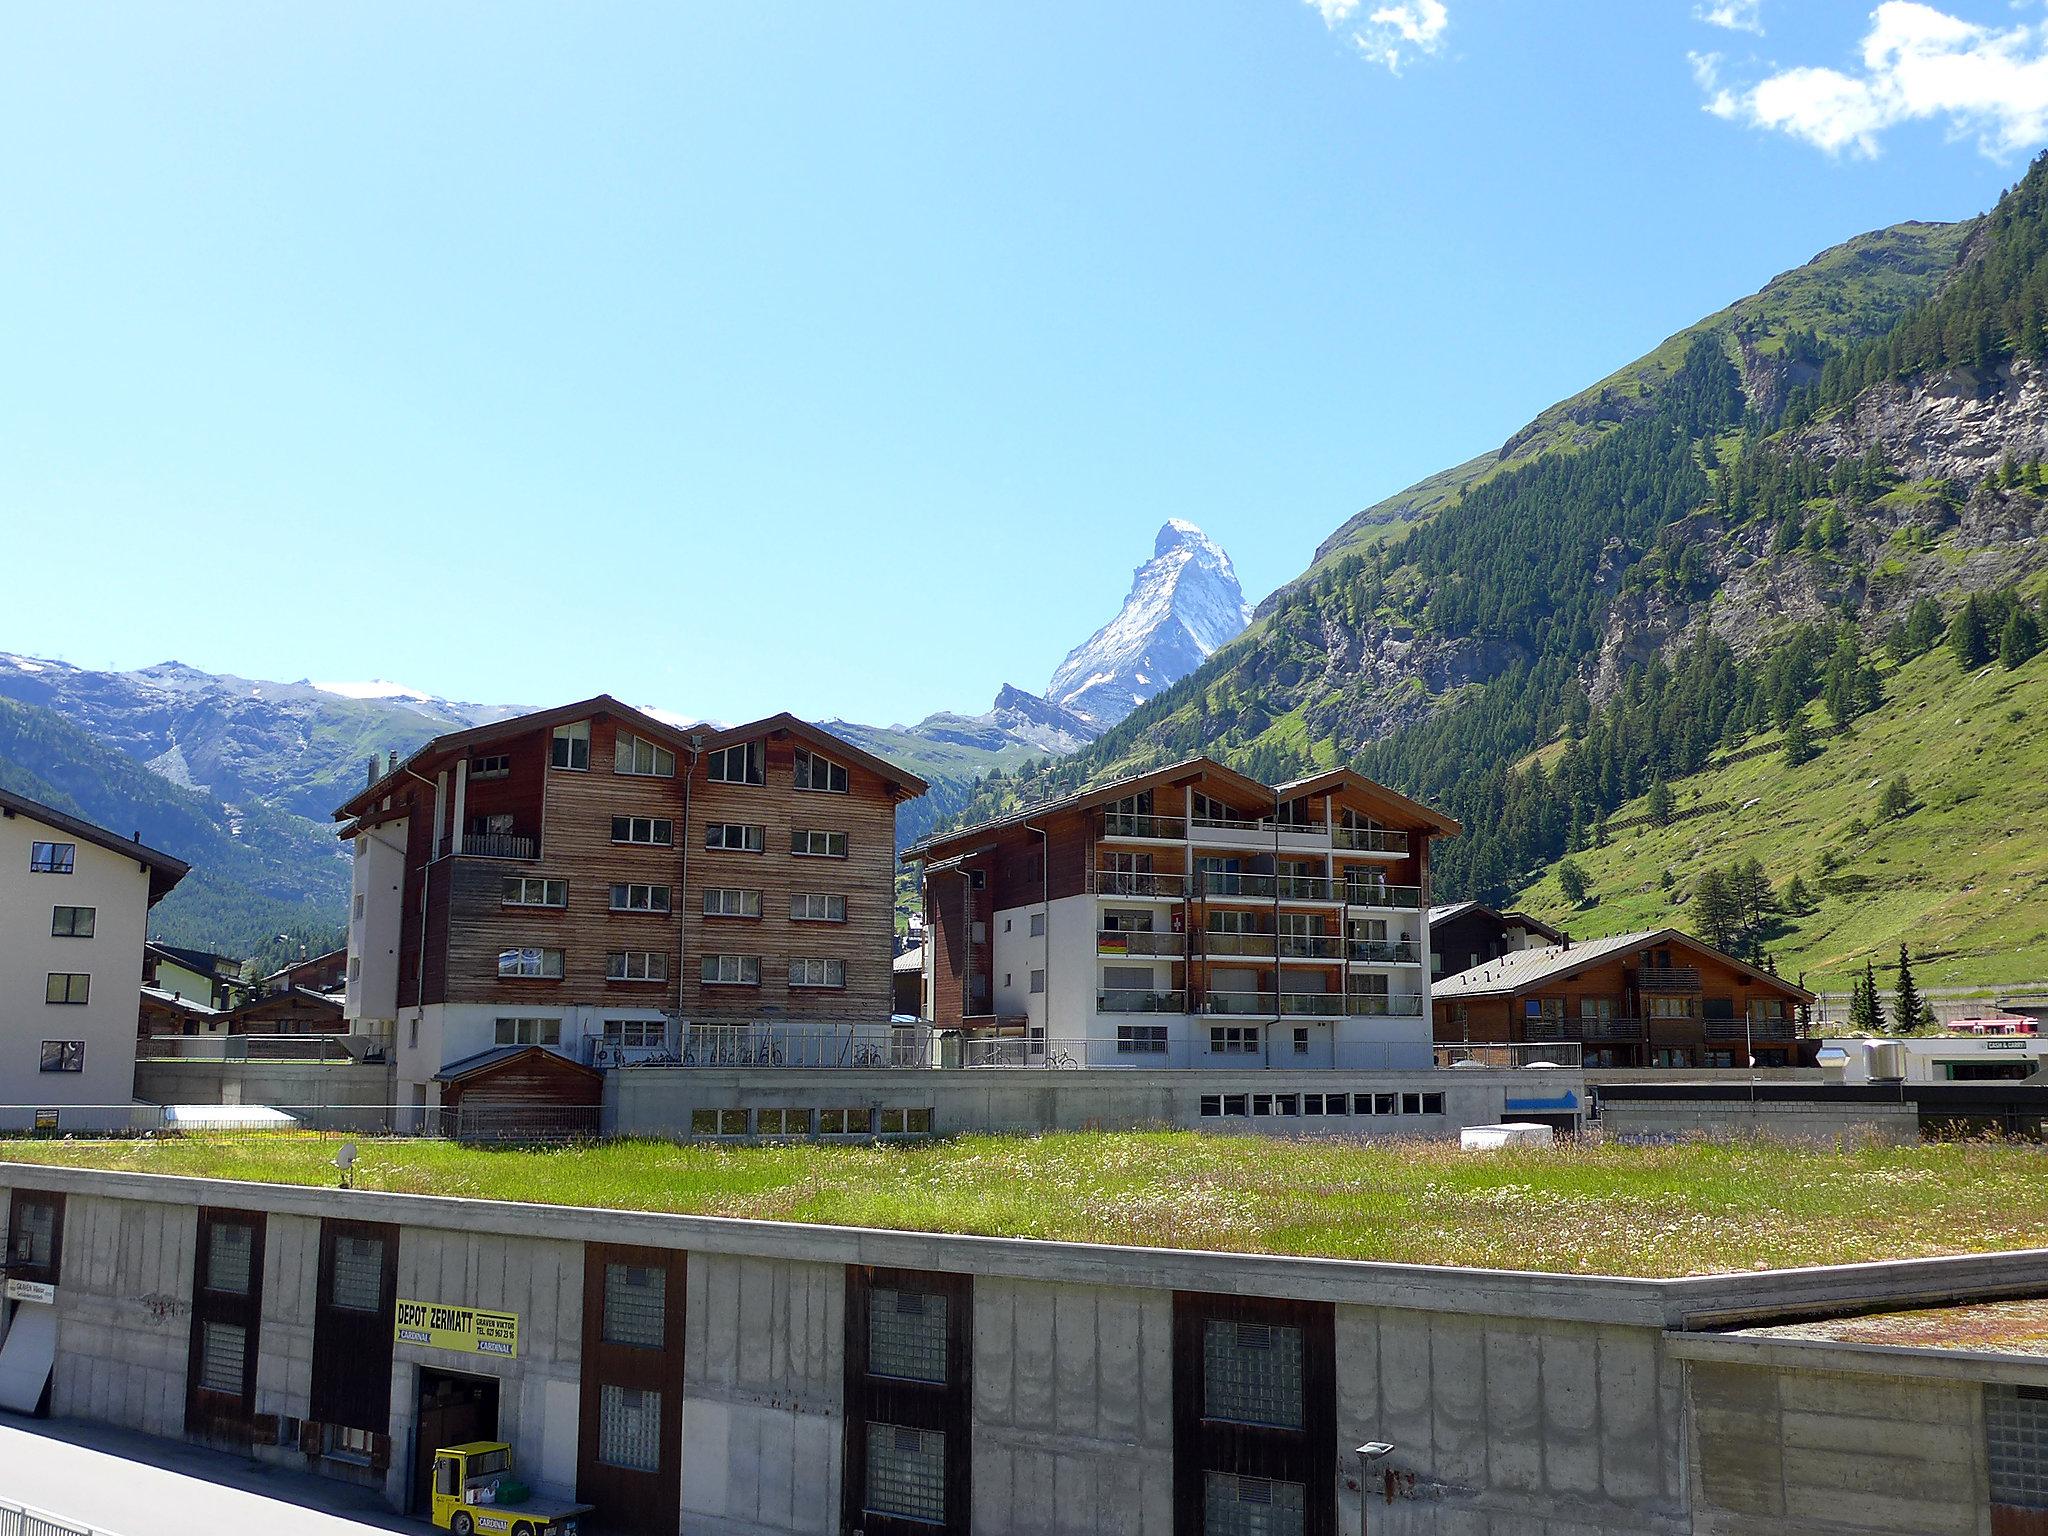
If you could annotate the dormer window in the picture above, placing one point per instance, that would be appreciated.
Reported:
(496, 766)
(571, 746)
(815, 772)
(643, 759)
(737, 765)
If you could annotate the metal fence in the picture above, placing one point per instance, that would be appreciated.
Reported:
(1507, 1057)
(20, 1520)
(224, 1048)
(1153, 1046)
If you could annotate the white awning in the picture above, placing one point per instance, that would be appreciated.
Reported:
(27, 1355)
(227, 1117)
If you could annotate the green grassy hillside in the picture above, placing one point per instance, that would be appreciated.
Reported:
(1962, 877)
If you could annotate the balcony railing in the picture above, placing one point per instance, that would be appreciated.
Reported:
(1392, 1005)
(1752, 1029)
(1385, 952)
(1371, 840)
(1311, 946)
(1232, 885)
(1127, 941)
(1257, 945)
(1668, 978)
(1584, 1029)
(1131, 1000)
(1312, 1005)
(779, 1045)
(1510, 1056)
(1141, 883)
(1136, 824)
(1368, 893)
(492, 845)
(1241, 1005)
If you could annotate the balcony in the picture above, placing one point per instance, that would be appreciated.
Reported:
(1312, 1005)
(1258, 945)
(491, 845)
(1311, 946)
(1394, 898)
(1391, 1005)
(1371, 840)
(1507, 1057)
(1127, 824)
(1750, 1029)
(1385, 952)
(1229, 885)
(1133, 1000)
(1241, 1005)
(1229, 832)
(1141, 884)
(1127, 941)
(1668, 978)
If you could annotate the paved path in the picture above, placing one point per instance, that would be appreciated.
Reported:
(125, 1484)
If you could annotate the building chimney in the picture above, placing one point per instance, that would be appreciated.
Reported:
(373, 770)
(391, 761)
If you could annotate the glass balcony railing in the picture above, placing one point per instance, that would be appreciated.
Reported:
(1385, 952)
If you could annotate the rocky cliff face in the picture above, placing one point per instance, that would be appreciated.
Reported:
(1184, 603)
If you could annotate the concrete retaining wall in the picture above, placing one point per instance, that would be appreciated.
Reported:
(285, 1084)
(1804, 1120)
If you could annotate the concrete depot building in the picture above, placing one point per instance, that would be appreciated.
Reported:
(706, 1375)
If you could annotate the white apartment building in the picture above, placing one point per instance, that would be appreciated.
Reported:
(74, 904)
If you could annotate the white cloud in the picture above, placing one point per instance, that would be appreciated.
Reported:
(1391, 34)
(1735, 15)
(1917, 64)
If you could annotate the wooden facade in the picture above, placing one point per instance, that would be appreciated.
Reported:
(1656, 999)
(522, 816)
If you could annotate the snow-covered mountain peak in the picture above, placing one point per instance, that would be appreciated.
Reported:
(1184, 603)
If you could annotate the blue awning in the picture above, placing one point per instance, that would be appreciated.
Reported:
(1563, 1101)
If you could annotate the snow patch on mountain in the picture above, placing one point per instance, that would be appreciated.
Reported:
(375, 688)
(1184, 603)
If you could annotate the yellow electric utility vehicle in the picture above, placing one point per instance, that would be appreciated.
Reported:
(474, 1490)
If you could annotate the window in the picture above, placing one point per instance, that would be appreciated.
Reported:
(817, 973)
(718, 1122)
(1235, 1104)
(1301, 1042)
(345, 1444)
(737, 765)
(1312, 1103)
(732, 970)
(33, 1242)
(230, 1247)
(1236, 1505)
(1422, 1103)
(528, 1031)
(817, 845)
(782, 1122)
(63, 1055)
(2016, 1438)
(635, 1304)
(815, 907)
(906, 1335)
(815, 772)
(223, 1352)
(543, 963)
(734, 903)
(71, 922)
(67, 987)
(1212, 1104)
(496, 766)
(636, 965)
(359, 905)
(571, 746)
(640, 898)
(844, 1122)
(358, 1273)
(1233, 1040)
(735, 837)
(1251, 1373)
(643, 759)
(636, 1032)
(1037, 983)
(906, 1473)
(906, 1122)
(52, 858)
(1384, 1103)
(629, 1427)
(525, 891)
(656, 830)
(1038, 925)
(1141, 1039)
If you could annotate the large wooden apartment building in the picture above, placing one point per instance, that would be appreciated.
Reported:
(1657, 998)
(585, 876)
(1189, 917)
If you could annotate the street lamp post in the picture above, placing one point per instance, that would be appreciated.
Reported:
(1368, 1453)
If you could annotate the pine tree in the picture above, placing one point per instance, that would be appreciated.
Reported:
(1798, 900)
(1913, 1012)
(1863, 1013)
(1897, 798)
(1968, 635)
(1922, 628)
(2021, 639)
(1572, 881)
(1660, 805)
(1799, 747)
(1716, 910)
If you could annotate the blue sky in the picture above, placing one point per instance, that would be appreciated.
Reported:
(735, 357)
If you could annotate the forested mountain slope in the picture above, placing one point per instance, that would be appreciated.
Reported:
(1698, 558)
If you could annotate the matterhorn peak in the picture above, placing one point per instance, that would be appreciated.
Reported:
(1184, 602)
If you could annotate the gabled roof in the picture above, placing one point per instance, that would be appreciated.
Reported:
(1371, 789)
(498, 1056)
(165, 871)
(679, 738)
(202, 961)
(1522, 969)
(1457, 909)
(169, 999)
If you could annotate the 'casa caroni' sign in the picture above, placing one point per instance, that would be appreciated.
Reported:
(467, 1330)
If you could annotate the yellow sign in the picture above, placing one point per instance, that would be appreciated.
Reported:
(468, 1330)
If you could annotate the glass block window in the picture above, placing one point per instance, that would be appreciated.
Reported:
(907, 1473)
(635, 1304)
(223, 1349)
(1251, 1506)
(230, 1248)
(2016, 1437)
(35, 1233)
(629, 1427)
(358, 1273)
(906, 1335)
(1251, 1374)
